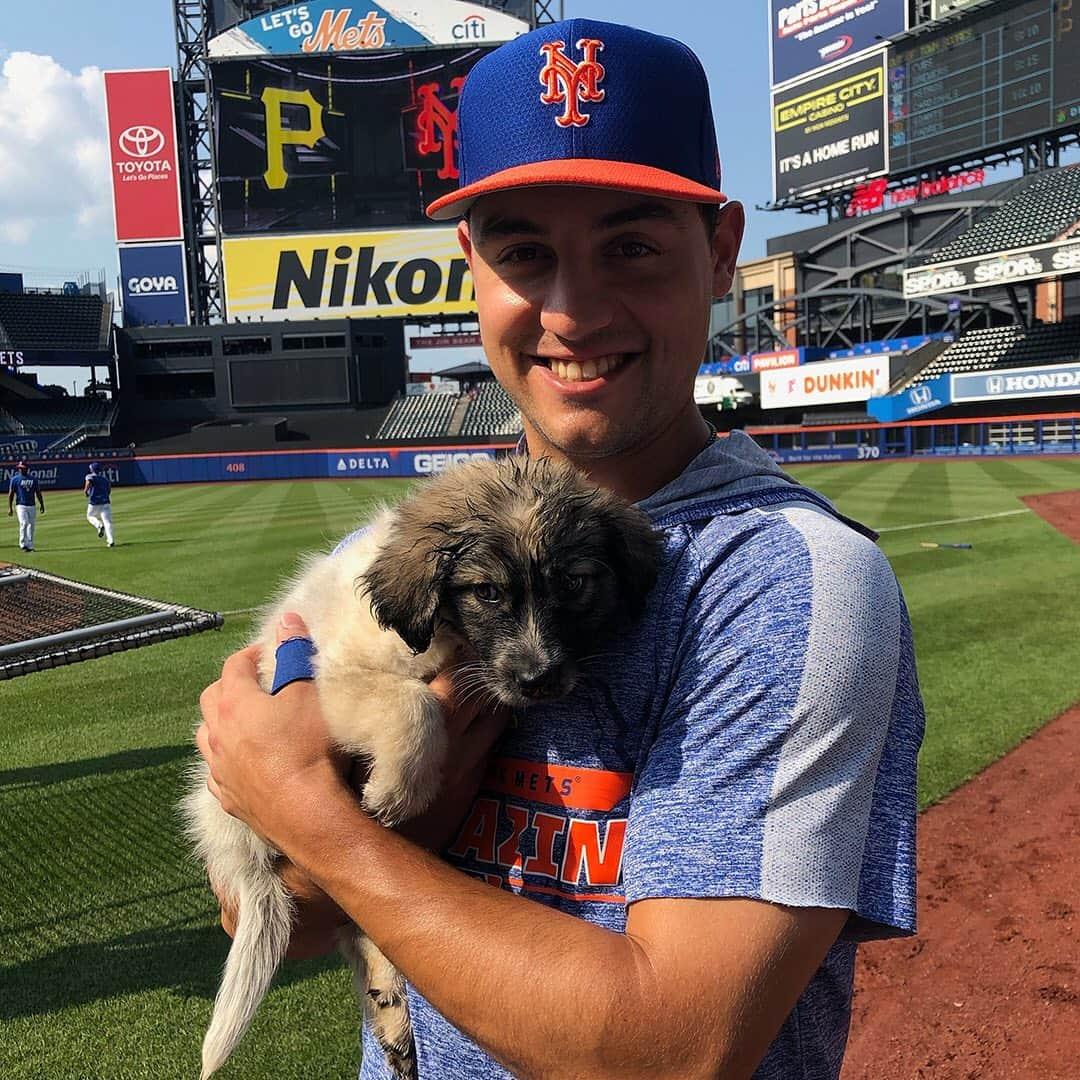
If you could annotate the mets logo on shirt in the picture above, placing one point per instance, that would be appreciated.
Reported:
(548, 830)
(568, 83)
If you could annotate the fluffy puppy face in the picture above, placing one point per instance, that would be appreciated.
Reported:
(523, 558)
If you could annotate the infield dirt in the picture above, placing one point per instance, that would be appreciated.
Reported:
(990, 986)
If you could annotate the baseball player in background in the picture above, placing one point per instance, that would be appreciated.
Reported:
(97, 490)
(22, 491)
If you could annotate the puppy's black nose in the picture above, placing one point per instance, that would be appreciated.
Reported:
(538, 682)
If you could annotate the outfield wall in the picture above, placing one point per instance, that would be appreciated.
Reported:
(1040, 433)
(260, 465)
(1051, 433)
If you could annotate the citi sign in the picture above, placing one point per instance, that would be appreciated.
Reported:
(471, 28)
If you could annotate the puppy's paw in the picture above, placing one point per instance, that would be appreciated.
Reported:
(408, 762)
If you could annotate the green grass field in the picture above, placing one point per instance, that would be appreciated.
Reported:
(109, 947)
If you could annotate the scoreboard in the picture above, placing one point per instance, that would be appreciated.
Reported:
(1001, 77)
(983, 81)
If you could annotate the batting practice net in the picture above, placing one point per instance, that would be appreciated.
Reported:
(47, 621)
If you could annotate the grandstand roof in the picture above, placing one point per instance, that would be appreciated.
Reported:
(1047, 209)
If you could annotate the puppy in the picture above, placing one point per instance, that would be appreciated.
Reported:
(521, 563)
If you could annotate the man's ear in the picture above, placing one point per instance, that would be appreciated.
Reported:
(464, 238)
(726, 241)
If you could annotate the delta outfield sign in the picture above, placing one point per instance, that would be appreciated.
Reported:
(1001, 268)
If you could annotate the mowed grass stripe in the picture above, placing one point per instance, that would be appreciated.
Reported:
(109, 944)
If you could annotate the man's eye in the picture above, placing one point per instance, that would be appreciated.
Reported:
(521, 254)
(488, 593)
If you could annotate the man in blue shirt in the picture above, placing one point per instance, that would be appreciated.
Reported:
(97, 490)
(666, 873)
(22, 491)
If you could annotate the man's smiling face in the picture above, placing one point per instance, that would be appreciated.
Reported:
(594, 309)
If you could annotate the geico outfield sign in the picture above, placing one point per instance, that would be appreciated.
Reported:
(403, 272)
(1000, 268)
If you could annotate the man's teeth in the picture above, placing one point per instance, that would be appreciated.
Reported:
(572, 371)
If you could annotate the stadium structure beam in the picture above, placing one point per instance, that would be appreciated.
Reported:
(818, 326)
(193, 21)
(547, 11)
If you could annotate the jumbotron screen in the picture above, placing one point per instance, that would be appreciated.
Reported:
(336, 141)
(995, 79)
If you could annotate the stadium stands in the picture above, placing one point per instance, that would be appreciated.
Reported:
(491, 412)
(419, 417)
(1007, 347)
(53, 321)
(1043, 211)
(832, 419)
(59, 415)
(486, 411)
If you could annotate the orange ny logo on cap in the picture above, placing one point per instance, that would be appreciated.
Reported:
(565, 81)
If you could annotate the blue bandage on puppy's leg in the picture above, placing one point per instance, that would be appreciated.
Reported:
(293, 661)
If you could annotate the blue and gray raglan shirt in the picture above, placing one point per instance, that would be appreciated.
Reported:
(754, 735)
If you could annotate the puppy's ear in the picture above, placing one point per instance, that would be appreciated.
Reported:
(633, 552)
(406, 581)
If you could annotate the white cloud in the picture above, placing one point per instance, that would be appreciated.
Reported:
(54, 147)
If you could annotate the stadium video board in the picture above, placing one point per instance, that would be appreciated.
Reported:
(805, 35)
(997, 78)
(830, 129)
(351, 141)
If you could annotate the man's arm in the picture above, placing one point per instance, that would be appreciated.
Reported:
(694, 987)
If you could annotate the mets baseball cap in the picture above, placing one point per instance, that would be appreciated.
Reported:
(586, 103)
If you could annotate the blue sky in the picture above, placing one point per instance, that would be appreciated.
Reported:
(54, 203)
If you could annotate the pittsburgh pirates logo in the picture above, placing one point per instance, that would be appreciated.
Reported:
(438, 126)
(570, 83)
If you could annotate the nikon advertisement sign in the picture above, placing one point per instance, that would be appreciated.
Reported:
(830, 130)
(1000, 268)
(397, 273)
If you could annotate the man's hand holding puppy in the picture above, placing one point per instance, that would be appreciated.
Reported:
(279, 746)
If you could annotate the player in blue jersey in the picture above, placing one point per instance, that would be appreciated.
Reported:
(23, 489)
(667, 873)
(98, 492)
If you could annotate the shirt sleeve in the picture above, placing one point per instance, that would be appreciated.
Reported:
(783, 766)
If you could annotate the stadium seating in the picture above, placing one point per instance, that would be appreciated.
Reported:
(59, 415)
(1007, 347)
(424, 416)
(832, 419)
(1040, 213)
(491, 412)
(53, 321)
